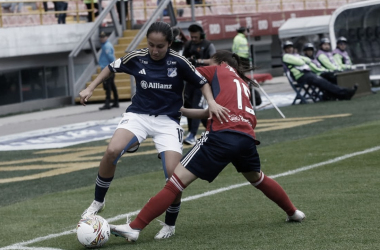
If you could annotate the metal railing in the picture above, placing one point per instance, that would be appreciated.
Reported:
(77, 85)
(234, 7)
(142, 32)
(40, 11)
(207, 6)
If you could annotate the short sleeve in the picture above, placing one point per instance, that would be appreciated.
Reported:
(191, 74)
(208, 72)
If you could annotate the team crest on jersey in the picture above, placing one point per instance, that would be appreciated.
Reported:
(143, 61)
(144, 84)
(172, 72)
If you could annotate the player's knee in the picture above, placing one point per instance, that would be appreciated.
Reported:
(256, 175)
(112, 153)
(252, 176)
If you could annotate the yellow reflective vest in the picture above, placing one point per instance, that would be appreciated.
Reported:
(240, 46)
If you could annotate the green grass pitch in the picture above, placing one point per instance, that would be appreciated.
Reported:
(44, 192)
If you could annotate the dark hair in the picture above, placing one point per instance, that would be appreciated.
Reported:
(233, 60)
(163, 28)
(242, 29)
(197, 28)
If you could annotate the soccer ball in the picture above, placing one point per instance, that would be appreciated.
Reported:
(93, 231)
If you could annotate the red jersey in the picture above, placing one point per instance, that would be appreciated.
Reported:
(232, 92)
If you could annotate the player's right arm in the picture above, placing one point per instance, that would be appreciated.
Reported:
(195, 113)
(87, 93)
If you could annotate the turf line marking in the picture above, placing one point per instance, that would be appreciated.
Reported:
(22, 245)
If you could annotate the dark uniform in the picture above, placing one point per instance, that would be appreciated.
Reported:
(232, 141)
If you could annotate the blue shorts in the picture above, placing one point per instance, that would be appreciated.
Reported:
(215, 150)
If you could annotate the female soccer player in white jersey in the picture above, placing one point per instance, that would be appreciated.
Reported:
(155, 111)
(222, 143)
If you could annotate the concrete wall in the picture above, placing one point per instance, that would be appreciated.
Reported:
(42, 39)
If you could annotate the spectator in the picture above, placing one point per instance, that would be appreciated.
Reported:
(61, 6)
(88, 4)
(325, 56)
(302, 73)
(316, 66)
(12, 6)
(340, 54)
(198, 50)
(106, 57)
(177, 44)
(240, 46)
(165, 12)
(198, 2)
(118, 7)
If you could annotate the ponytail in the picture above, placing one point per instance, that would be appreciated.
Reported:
(233, 60)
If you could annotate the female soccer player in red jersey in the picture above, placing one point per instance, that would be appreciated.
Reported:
(222, 143)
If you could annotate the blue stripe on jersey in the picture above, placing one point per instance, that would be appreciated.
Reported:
(159, 84)
(215, 84)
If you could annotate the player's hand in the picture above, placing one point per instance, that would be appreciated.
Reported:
(219, 111)
(84, 96)
(193, 61)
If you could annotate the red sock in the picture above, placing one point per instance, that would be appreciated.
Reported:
(276, 193)
(159, 203)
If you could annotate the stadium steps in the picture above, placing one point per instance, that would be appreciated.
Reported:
(122, 80)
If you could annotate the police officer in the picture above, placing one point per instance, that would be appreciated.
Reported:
(325, 56)
(340, 54)
(240, 46)
(315, 65)
(302, 73)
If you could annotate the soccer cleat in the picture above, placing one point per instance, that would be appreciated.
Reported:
(94, 208)
(125, 231)
(165, 232)
(298, 216)
(190, 139)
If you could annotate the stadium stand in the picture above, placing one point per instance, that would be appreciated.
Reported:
(34, 15)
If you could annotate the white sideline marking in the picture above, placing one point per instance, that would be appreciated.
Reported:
(23, 245)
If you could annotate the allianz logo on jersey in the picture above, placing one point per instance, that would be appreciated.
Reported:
(154, 85)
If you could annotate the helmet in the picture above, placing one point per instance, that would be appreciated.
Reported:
(308, 46)
(324, 40)
(287, 44)
(341, 39)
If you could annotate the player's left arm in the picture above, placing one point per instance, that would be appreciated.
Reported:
(214, 108)
(195, 113)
